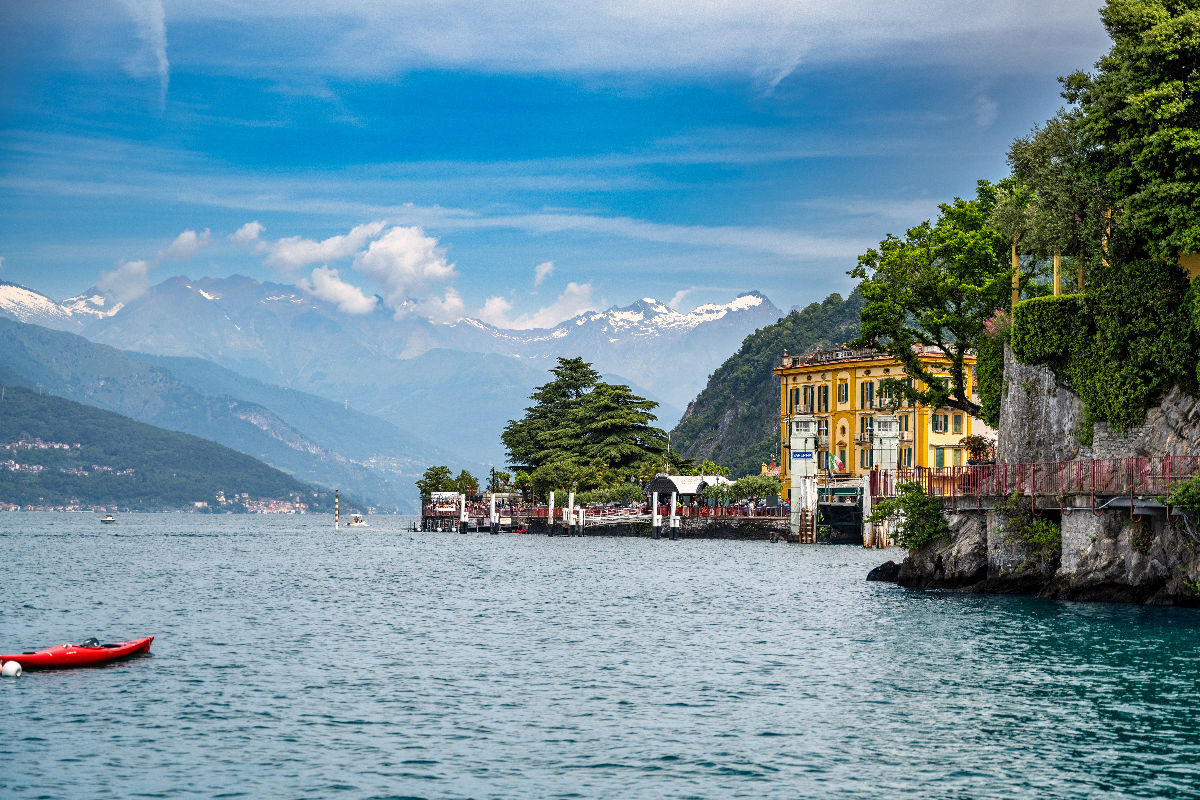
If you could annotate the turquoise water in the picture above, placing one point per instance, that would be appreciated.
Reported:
(293, 661)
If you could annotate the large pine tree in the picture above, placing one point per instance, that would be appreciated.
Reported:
(582, 431)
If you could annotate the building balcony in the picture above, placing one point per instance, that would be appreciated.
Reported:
(802, 408)
(906, 436)
(864, 437)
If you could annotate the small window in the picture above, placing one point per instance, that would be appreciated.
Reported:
(939, 457)
(868, 459)
(908, 456)
(843, 392)
(957, 457)
(957, 424)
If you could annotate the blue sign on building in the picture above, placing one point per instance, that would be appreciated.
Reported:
(807, 454)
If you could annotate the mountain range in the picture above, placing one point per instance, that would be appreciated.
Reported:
(445, 391)
(56, 453)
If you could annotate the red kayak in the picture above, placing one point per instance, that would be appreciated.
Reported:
(64, 656)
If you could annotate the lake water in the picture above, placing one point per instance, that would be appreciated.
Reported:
(293, 661)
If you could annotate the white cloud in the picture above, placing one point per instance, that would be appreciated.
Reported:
(448, 308)
(678, 298)
(986, 111)
(495, 312)
(326, 284)
(294, 252)
(404, 263)
(542, 271)
(151, 22)
(186, 245)
(247, 234)
(768, 39)
(576, 299)
(127, 281)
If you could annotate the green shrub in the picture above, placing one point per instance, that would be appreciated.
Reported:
(989, 374)
(1121, 345)
(1042, 536)
(1049, 330)
(920, 516)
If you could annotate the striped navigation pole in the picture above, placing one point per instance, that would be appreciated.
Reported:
(336, 500)
(655, 521)
(674, 517)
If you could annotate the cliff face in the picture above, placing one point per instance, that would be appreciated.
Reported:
(1112, 556)
(735, 420)
(1043, 420)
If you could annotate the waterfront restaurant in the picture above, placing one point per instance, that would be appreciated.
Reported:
(841, 389)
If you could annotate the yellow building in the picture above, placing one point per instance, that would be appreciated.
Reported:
(841, 389)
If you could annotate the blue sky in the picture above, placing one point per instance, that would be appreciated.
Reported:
(518, 162)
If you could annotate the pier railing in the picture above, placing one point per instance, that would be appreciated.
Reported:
(525, 511)
(1135, 477)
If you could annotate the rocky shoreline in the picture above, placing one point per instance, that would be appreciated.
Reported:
(1112, 556)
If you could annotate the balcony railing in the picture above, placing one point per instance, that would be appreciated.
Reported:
(864, 437)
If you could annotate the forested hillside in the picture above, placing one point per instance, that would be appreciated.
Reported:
(54, 452)
(735, 420)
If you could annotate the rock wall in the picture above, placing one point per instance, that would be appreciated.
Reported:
(1043, 420)
(1040, 418)
(1107, 557)
(955, 563)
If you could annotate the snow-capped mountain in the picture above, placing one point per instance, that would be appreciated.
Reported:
(92, 303)
(26, 305)
(456, 384)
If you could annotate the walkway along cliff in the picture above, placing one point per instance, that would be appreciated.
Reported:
(1118, 543)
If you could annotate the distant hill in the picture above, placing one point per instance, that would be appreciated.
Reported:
(735, 420)
(54, 452)
(314, 439)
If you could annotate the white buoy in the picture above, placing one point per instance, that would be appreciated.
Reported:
(11, 669)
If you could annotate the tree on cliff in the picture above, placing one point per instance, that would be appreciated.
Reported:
(937, 286)
(1140, 117)
(1120, 168)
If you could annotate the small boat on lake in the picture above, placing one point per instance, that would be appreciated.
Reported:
(108, 519)
(355, 520)
(89, 654)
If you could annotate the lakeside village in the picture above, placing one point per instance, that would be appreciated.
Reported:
(844, 421)
(235, 503)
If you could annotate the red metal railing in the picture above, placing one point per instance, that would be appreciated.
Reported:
(1138, 476)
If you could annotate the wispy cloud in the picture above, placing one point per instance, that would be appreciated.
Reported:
(247, 234)
(151, 59)
(542, 271)
(986, 111)
(678, 298)
(186, 245)
(129, 280)
(767, 39)
(576, 299)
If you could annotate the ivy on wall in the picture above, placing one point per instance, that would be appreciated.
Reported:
(1122, 344)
